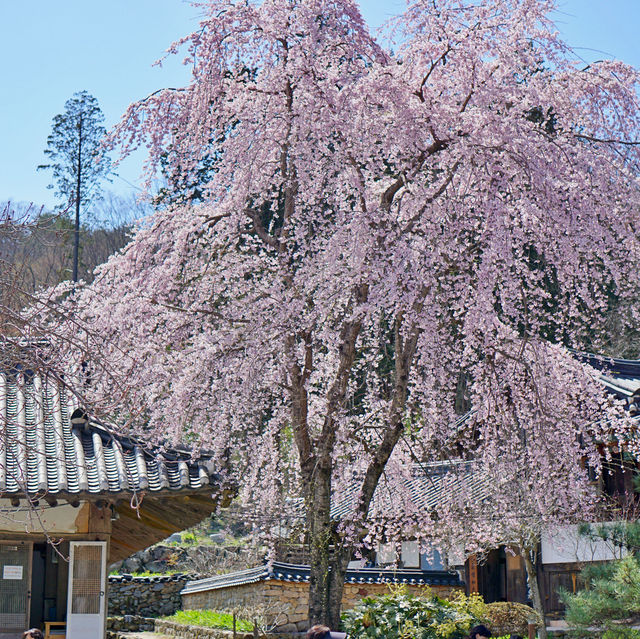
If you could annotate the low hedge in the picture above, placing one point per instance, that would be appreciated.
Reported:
(506, 617)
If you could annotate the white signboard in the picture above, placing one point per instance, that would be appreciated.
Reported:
(12, 572)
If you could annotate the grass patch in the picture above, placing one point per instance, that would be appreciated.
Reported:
(210, 619)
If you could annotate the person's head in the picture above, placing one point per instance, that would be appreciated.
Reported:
(323, 632)
(479, 632)
(318, 632)
(33, 633)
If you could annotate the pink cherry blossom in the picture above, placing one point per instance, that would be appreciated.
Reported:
(377, 225)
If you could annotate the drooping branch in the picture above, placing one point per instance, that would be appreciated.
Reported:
(592, 138)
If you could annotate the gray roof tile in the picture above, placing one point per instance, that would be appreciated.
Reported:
(42, 452)
(429, 485)
(300, 573)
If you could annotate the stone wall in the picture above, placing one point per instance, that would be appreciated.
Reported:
(128, 623)
(121, 627)
(172, 629)
(147, 596)
(353, 593)
(285, 604)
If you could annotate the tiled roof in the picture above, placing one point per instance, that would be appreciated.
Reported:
(425, 488)
(42, 452)
(621, 377)
(615, 366)
(300, 573)
(238, 578)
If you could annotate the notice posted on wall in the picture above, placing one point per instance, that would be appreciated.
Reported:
(12, 572)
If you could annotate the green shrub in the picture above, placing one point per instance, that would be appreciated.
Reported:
(210, 619)
(189, 539)
(506, 617)
(400, 615)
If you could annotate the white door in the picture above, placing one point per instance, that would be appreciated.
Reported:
(86, 597)
(15, 588)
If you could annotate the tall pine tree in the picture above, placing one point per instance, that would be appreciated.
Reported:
(77, 158)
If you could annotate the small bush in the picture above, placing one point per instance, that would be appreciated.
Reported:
(506, 617)
(189, 539)
(400, 615)
(210, 619)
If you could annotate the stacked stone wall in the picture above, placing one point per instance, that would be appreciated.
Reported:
(147, 596)
(353, 593)
(285, 604)
(226, 599)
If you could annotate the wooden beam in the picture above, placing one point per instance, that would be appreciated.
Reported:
(143, 516)
(159, 517)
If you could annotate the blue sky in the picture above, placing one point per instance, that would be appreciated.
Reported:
(51, 49)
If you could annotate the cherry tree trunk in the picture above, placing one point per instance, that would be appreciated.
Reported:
(532, 579)
(328, 561)
(339, 564)
(320, 537)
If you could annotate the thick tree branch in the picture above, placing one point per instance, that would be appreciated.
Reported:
(386, 199)
(261, 232)
(337, 392)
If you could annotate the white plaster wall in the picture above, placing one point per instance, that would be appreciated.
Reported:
(58, 519)
(565, 545)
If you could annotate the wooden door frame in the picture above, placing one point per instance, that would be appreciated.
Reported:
(73, 543)
(29, 545)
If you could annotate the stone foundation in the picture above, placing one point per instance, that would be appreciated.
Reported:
(128, 623)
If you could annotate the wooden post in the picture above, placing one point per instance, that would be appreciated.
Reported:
(255, 629)
(532, 630)
(234, 624)
(472, 577)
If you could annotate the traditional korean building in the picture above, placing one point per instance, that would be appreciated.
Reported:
(501, 575)
(74, 498)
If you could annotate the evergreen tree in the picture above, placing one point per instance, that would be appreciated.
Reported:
(610, 606)
(77, 157)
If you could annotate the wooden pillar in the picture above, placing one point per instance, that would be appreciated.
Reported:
(472, 574)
